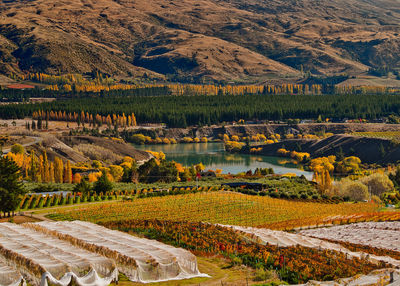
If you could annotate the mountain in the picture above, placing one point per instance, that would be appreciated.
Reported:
(197, 39)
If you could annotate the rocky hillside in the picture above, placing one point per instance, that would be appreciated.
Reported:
(87, 148)
(268, 129)
(194, 39)
(369, 150)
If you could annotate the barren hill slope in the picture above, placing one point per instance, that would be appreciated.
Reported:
(221, 39)
(369, 150)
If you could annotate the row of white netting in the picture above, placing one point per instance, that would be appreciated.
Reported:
(140, 259)
(41, 259)
(377, 234)
(284, 239)
(9, 276)
(375, 278)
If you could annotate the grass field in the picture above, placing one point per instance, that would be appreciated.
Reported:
(221, 207)
(220, 270)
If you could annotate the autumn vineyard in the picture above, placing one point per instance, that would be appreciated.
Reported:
(108, 179)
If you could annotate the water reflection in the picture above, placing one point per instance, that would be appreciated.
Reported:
(213, 156)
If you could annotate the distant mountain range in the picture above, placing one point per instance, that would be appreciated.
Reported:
(200, 39)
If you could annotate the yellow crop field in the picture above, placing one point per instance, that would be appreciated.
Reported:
(219, 207)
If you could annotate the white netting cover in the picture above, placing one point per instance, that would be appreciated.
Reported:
(375, 278)
(9, 276)
(284, 239)
(42, 258)
(377, 234)
(140, 259)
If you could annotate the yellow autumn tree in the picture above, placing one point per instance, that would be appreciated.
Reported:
(349, 165)
(68, 173)
(116, 172)
(93, 177)
(77, 178)
(51, 172)
(323, 167)
(58, 170)
(46, 169)
(134, 123)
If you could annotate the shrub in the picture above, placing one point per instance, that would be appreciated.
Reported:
(17, 149)
(284, 195)
(262, 275)
(355, 190)
(103, 184)
(304, 196)
(83, 187)
(274, 195)
(378, 183)
(376, 199)
(139, 139)
(44, 188)
(236, 260)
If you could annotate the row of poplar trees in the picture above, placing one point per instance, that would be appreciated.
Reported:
(40, 169)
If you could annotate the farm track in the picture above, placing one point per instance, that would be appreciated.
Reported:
(36, 140)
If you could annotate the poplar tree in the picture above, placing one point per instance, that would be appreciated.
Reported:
(51, 172)
(58, 170)
(68, 173)
(46, 168)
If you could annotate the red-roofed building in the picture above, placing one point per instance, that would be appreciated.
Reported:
(20, 86)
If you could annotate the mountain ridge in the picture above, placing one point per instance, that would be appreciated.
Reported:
(194, 40)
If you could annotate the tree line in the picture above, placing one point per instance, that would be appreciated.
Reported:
(182, 111)
(23, 95)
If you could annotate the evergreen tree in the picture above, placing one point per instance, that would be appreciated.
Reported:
(103, 184)
(84, 187)
(39, 123)
(340, 154)
(11, 189)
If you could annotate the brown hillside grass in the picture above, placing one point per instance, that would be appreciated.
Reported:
(226, 39)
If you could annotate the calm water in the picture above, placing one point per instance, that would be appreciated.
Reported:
(213, 156)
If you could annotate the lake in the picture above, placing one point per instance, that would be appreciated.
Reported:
(213, 156)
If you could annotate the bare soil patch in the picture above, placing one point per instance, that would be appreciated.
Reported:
(19, 219)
